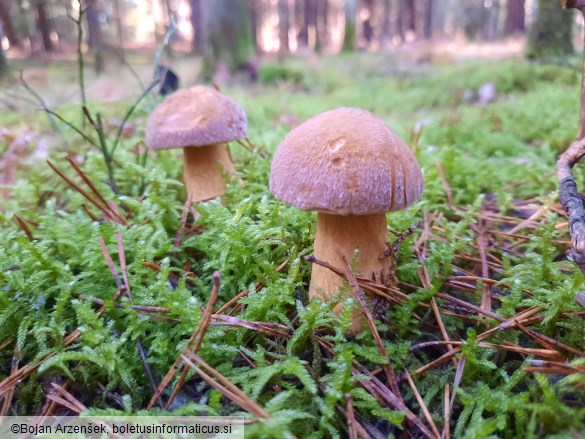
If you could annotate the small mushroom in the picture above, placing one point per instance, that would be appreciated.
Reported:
(347, 165)
(200, 120)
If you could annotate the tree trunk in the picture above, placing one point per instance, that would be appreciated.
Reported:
(254, 20)
(7, 24)
(386, 36)
(367, 27)
(228, 35)
(472, 18)
(119, 18)
(62, 25)
(44, 26)
(95, 39)
(302, 37)
(491, 28)
(321, 28)
(551, 33)
(310, 23)
(514, 23)
(428, 29)
(349, 36)
(400, 20)
(196, 24)
(3, 63)
(410, 16)
(283, 25)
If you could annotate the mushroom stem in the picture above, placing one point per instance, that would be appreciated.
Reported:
(202, 172)
(339, 236)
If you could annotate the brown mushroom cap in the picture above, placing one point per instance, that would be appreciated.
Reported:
(197, 116)
(345, 162)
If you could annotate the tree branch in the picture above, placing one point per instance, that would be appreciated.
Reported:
(570, 199)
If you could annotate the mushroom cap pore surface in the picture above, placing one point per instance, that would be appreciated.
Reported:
(196, 116)
(345, 162)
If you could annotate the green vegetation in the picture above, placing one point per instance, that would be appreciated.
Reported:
(551, 35)
(273, 73)
(486, 168)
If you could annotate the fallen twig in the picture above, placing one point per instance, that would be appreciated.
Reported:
(570, 199)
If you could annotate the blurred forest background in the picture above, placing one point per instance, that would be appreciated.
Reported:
(236, 34)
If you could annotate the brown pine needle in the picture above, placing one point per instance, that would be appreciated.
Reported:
(8, 397)
(143, 308)
(469, 306)
(122, 256)
(541, 210)
(50, 406)
(78, 405)
(482, 243)
(235, 299)
(184, 214)
(92, 187)
(205, 322)
(389, 293)
(361, 297)
(151, 265)
(110, 262)
(244, 145)
(105, 209)
(457, 380)
(446, 414)
(543, 353)
(223, 385)
(376, 387)
(193, 344)
(445, 184)
(420, 250)
(89, 212)
(5, 345)
(64, 403)
(554, 367)
(269, 328)
(24, 226)
(545, 340)
(422, 404)
(378, 390)
(351, 422)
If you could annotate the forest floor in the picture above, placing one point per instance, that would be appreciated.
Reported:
(484, 332)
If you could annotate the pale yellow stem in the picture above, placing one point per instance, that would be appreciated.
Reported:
(339, 236)
(203, 167)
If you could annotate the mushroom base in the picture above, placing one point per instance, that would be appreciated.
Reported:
(339, 236)
(203, 168)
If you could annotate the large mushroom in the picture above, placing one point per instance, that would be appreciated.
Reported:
(200, 120)
(347, 165)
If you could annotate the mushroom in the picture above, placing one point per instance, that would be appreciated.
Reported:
(200, 120)
(347, 165)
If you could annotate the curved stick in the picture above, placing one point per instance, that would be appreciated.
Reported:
(571, 200)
